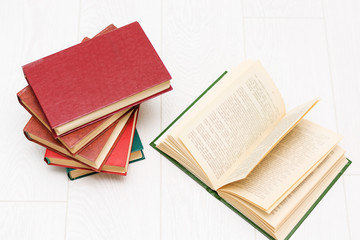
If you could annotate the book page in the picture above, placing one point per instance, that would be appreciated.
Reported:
(293, 200)
(286, 207)
(172, 146)
(232, 124)
(299, 213)
(226, 81)
(283, 219)
(176, 152)
(285, 166)
(281, 129)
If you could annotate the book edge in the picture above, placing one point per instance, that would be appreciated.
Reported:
(320, 198)
(216, 195)
(190, 106)
(68, 170)
(88, 174)
(212, 192)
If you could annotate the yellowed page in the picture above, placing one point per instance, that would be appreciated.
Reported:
(285, 166)
(211, 95)
(309, 201)
(281, 129)
(111, 108)
(190, 164)
(234, 123)
(298, 209)
(285, 208)
(296, 197)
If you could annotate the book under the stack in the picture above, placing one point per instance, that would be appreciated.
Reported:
(118, 159)
(53, 158)
(75, 140)
(95, 154)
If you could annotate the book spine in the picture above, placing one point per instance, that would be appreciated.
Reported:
(34, 141)
(82, 176)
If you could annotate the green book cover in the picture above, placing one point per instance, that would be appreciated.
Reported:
(137, 146)
(215, 194)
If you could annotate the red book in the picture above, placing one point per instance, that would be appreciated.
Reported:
(97, 78)
(94, 155)
(74, 141)
(117, 162)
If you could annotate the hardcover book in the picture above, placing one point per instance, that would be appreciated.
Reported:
(118, 160)
(136, 155)
(75, 140)
(94, 155)
(236, 140)
(97, 78)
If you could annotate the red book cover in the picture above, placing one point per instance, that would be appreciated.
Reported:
(71, 141)
(117, 162)
(94, 155)
(74, 141)
(95, 74)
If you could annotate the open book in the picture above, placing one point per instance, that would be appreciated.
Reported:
(238, 140)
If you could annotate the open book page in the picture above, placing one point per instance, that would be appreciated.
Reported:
(287, 123)
(169, 142)
(176, 152)
(231, 125)
(285, 166)
(291, 222)
(286, 207)
(226, 81)
(284, 218)
(294, 199)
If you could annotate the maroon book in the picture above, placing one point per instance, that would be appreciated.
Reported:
(96, 78)
(94, 155)
(118, 160)
(75, 140)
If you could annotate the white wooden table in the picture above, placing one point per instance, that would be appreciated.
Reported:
(310, 48)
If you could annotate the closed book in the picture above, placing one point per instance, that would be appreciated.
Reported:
(137, 146)
(94, 155)
(136, 155)
(118, 160)
(97, 78)
(74, 140)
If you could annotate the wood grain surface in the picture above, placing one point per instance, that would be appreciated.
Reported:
(310, 48)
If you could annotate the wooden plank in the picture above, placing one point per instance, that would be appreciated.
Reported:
(96, 15)
(32, 220)
(30, 31)
(342, 23)
(352, 186)
(283, 8)
(200, 41)
(106, 206)
(294, 53)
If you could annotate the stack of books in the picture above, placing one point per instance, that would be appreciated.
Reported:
(84, 100)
